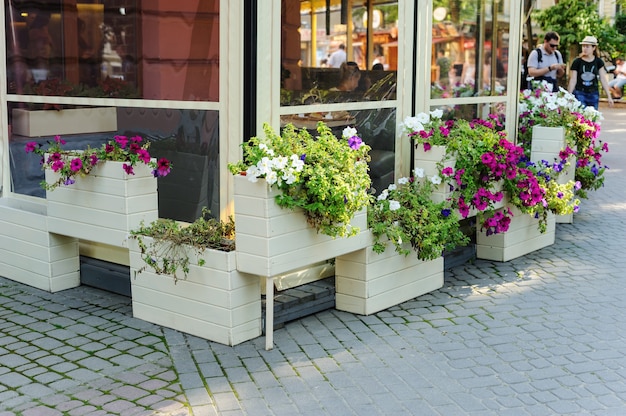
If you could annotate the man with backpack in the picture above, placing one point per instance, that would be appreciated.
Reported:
(546, 62)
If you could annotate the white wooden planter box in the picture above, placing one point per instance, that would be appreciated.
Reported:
(215, 301)
(523, 237)
(104, 205)
(428, 161)
(35, 123)
(30, 254)
(367, 282)
(547, 142)
(272, 240)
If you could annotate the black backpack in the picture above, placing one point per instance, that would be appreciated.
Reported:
(528, 84)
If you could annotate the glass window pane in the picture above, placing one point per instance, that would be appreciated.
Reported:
(334, 55)
(470, 48)
(188, 138)
(114, 48)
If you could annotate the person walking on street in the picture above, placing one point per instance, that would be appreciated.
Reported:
(546, 63)
(584, 74)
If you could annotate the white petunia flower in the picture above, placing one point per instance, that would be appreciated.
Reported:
(253, 173)
(392, 187)
(297, 163)
(412, 124)
(438, 113)
(403, 181)
(264, 165)
(423, 118)
(419, 172)
(393, 205)
(280, 162)
(289, 177)
(348, 132)
(271, 177)
(383, 195)
(436, 179)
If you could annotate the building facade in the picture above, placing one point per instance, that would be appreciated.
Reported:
(198, 77)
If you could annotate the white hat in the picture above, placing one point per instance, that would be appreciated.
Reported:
(589, 40)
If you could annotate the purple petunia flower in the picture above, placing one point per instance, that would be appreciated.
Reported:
(355, 142)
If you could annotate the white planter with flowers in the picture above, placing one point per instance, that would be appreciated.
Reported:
(522, 237)
(30, 253)
(214, 301)
(104, 205)
(272, 240)
(367, 282)
(547, 142)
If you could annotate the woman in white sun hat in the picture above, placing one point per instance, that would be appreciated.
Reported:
(584, 74)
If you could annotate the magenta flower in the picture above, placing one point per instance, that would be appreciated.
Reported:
(30, 147)
(76, 164)
(128, 169)
(122, 141)
(447, 171)
(163, 167)
(57, 165)
(143, 155)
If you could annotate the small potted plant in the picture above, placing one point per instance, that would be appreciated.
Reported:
(286, 176)
(184, 276)
(100, 194)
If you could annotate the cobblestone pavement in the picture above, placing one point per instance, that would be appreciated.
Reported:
(540, 335)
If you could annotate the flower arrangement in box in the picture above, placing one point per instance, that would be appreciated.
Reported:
(325, 176)
(406, 213)
(486, 164)
(72, 163)
(589, 167)
(167, 252)
(541, 106)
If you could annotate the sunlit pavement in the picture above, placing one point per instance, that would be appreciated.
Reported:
(543, 334)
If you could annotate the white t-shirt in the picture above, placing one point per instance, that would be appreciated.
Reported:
(337, 58)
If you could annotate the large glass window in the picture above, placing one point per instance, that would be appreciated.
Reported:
(470, 48)
(165, 50)
(334, 52)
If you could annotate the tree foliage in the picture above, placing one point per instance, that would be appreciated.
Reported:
(573, 20)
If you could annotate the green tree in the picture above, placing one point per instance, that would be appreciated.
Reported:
(573, 20)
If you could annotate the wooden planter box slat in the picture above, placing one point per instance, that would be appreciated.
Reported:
(105, 205)
(32, 255)
(273, 241)
(367, 282)
(214, 302)
(523, 237)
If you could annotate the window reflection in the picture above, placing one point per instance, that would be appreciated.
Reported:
(334, 54)
(470, 48)
(376, 127)
(114, 48)
(188, 138)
